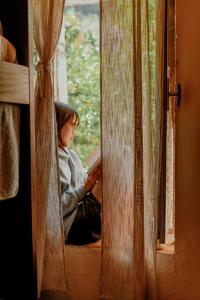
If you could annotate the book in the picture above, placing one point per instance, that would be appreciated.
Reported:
(94, 160)
(94, 165)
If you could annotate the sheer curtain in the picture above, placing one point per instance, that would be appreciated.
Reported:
(132, 76)
(152, 34)
(47, 19)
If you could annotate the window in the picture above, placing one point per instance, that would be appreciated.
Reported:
(78, 73)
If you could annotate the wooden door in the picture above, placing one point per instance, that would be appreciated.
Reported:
(178, 274)
(166, 226)
(188, 147)
(172, 101)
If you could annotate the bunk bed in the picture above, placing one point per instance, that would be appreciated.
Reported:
(17, 213)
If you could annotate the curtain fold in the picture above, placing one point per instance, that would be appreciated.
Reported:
(122, 151)
(47, 19)
(132, 95)
(152, 55)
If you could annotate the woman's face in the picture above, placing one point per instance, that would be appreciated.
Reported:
(67, 132)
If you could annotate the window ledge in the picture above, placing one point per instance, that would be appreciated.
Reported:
(166, 249)
(91, 245)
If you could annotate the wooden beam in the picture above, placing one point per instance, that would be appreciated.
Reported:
(80, 2)
(14, 83)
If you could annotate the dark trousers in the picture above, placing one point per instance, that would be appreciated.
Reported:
(86, 227)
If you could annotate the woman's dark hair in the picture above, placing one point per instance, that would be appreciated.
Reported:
(63, 114)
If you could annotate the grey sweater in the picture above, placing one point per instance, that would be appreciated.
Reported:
(72, 178)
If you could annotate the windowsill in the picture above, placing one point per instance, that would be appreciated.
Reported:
(166, 249)
(91, 245)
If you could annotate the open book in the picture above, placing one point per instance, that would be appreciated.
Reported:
(94, 160)
(95, 164)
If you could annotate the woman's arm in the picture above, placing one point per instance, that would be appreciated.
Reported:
(74, 181)
(70, 198)
(97, 190)
(72, 185)
(92, 178)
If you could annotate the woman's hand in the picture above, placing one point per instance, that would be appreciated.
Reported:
(92, 178)
(97, 190)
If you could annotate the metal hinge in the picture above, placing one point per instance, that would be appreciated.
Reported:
(177, 94)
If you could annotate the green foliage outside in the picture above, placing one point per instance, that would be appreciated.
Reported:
(83, 80)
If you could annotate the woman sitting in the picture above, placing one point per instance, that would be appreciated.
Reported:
(81, 210)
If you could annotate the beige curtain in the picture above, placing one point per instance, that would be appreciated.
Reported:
(132, 76)
(122, 151)
(152, 93)
(47, 19)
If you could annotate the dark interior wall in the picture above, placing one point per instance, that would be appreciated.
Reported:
(16, 271)
(14, 18)
(16, 259)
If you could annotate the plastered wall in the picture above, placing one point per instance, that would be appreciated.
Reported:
(179, 274)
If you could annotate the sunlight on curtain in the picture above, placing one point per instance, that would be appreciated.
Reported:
(122, 253)
(47, 17)
(152, 74)
(132, 75)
